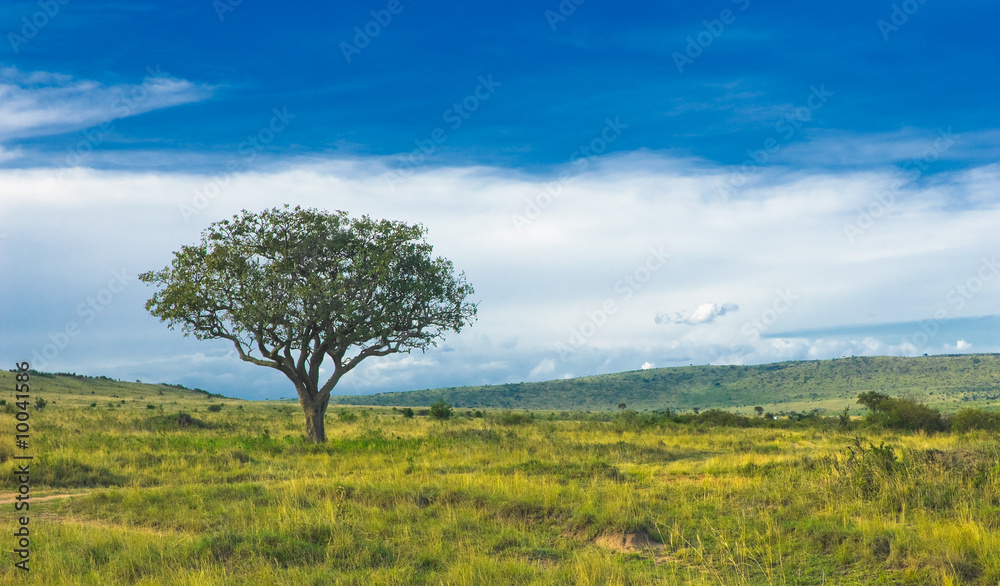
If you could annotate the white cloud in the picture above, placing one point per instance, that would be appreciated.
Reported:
(962, 345)
(42, 103)
(648, 365)
(705, 313)
(786, 231)
(544, 367)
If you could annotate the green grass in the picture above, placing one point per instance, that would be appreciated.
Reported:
(501, 499)
(945, 382)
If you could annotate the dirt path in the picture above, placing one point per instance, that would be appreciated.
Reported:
(11, 497)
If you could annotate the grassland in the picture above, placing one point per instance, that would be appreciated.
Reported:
(240, 497)
(945, 382)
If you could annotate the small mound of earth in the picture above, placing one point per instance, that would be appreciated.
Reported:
(627, 542)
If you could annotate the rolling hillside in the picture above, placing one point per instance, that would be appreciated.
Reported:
(74, 390)
(947, 382)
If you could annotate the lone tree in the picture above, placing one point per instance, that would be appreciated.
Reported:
(291, 288)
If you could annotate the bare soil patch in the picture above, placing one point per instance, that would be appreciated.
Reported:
(12, 497)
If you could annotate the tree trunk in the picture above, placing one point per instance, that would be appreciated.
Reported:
(315, 424)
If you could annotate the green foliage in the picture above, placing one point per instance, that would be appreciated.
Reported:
(408, 413)
(215, 408)
(347, 416)
(40, 403)
(901, 413)
(829, 385)
(869, 469)
(969, 419)
(441, 410)
(290, 288)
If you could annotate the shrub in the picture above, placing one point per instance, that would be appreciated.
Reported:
(215, 408)
(346, 416)
(408, 413)
(901, 413)
(150, 406)
(511, 418)
(869, 469)
(969, 419)
(40, 403)
(718, 417)
(441, 410)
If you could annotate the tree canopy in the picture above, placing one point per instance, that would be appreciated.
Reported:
(294, 288)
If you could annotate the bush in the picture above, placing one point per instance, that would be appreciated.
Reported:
(150, 406)
(969, 419)
(511, 418)
(408, 413)
(215, 408)
(346, 416)
(901, 413)
(441, 410)
(720, 418)
(868, 470)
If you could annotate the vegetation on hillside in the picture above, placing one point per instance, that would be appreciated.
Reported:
(946, 382)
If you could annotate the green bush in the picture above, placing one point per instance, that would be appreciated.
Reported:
(901, 413)
(346, 416)
(441, 410)
(969, 419)
(511, 418)
(408, 413)
(215, 408)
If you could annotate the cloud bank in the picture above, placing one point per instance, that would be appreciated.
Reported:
(575, 292)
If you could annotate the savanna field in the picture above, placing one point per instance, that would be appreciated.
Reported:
(496, 497)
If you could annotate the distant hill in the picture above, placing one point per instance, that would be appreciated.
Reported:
(77, 390)
(947, 382)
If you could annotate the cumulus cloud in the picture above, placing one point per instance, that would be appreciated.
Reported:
(648, 365)
(705, 313)
(960, 345)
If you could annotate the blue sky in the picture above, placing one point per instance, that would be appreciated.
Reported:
(836, 162)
